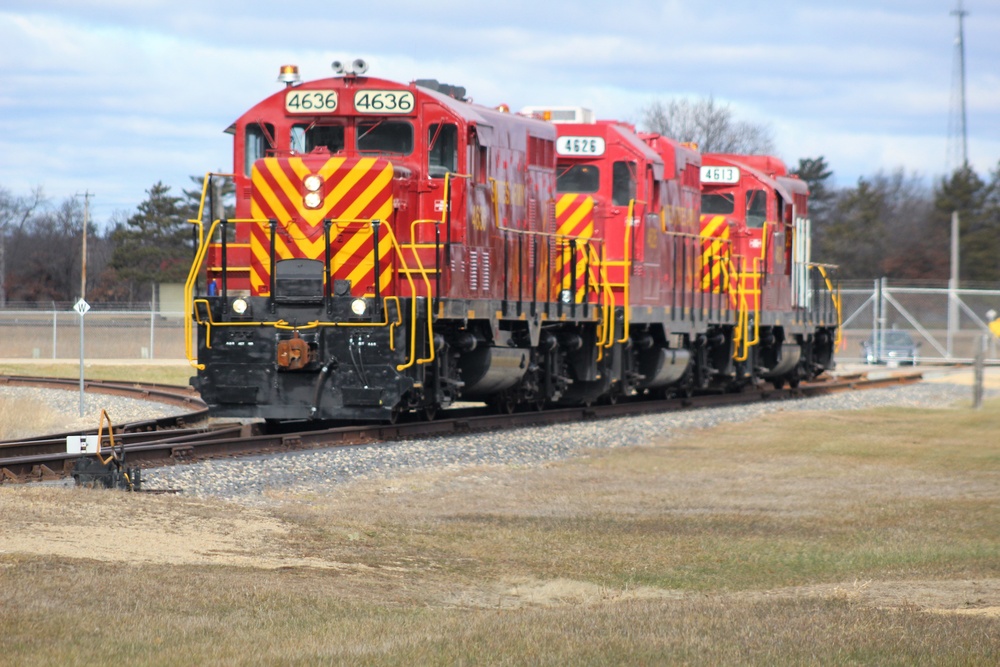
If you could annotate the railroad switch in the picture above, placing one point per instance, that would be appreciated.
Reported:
(99, 471)
(95, 473)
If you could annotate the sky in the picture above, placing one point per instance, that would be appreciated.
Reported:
(113, 96)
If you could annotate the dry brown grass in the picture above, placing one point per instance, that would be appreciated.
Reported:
(869, 538)
(173, 372)
(20, 418)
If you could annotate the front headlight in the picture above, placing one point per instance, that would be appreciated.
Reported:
(359, 306)
(312, 182)
(239, 306)
(313, 200)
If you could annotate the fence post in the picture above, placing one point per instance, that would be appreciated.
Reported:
(152, 327)
(55, 323)
(977, 385)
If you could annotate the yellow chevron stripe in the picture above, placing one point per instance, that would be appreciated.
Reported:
(567, 227)
(711, 226)
(349, 181)
(367, 265)
(377, 187)
(275, 204)
(564, 202)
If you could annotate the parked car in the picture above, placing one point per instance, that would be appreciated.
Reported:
(895, 348)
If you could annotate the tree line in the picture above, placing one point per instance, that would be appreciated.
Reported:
(890, 225)
(41, 247)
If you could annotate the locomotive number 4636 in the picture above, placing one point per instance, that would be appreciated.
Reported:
(383, 101)
(311, 101)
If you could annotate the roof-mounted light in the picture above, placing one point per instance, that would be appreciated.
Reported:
(289, 75)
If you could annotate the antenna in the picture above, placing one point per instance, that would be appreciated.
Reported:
(958, 125)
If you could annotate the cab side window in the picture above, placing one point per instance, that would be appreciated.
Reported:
(622, 183)
(756, 208)
(442, 151)
(259, 140)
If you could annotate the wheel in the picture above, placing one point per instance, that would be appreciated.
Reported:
(505, 404)
(394, 415)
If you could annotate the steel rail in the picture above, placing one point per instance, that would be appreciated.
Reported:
(247, 440)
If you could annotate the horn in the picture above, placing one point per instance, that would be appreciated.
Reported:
(337, 66)
(360, 66)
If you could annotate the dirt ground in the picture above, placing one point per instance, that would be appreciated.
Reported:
(120, 529)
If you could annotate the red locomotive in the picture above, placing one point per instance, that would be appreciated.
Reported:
(752, 203)
(396, 248)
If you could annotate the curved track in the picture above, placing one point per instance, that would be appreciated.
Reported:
(46, 458)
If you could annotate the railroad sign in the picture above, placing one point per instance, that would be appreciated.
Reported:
(81, 444)
(81, 307)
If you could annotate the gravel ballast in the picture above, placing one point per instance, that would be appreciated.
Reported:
(120, 409)
(248, 480)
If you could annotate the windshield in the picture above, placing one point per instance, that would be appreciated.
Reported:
(893, 339)
(385, 137)
(578, 178)
(719, 203)
(900, 338)
(306, 138)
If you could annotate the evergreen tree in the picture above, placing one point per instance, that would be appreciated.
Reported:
(979, 232)
(153, 246)
(223, 198)
(855, 236)
(817, 173)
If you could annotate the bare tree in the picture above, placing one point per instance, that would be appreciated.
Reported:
(709, 125)
(14, 212)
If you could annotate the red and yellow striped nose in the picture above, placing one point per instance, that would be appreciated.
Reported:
(574, 221)
(300, 193)
(715, 252)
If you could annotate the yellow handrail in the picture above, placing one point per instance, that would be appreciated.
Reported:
(194, 316)
(189, 290)
(835, 297)
(627, 270)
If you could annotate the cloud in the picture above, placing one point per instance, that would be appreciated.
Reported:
(114, 95)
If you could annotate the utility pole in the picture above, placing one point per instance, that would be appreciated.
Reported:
(86, 224)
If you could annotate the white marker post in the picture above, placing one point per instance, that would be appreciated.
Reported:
(81, 307)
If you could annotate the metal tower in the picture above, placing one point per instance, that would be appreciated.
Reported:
(958, 137)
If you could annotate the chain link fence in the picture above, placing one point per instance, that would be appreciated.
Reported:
(948, 325)
(110, 331)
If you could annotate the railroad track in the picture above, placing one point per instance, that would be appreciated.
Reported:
(46, 458)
